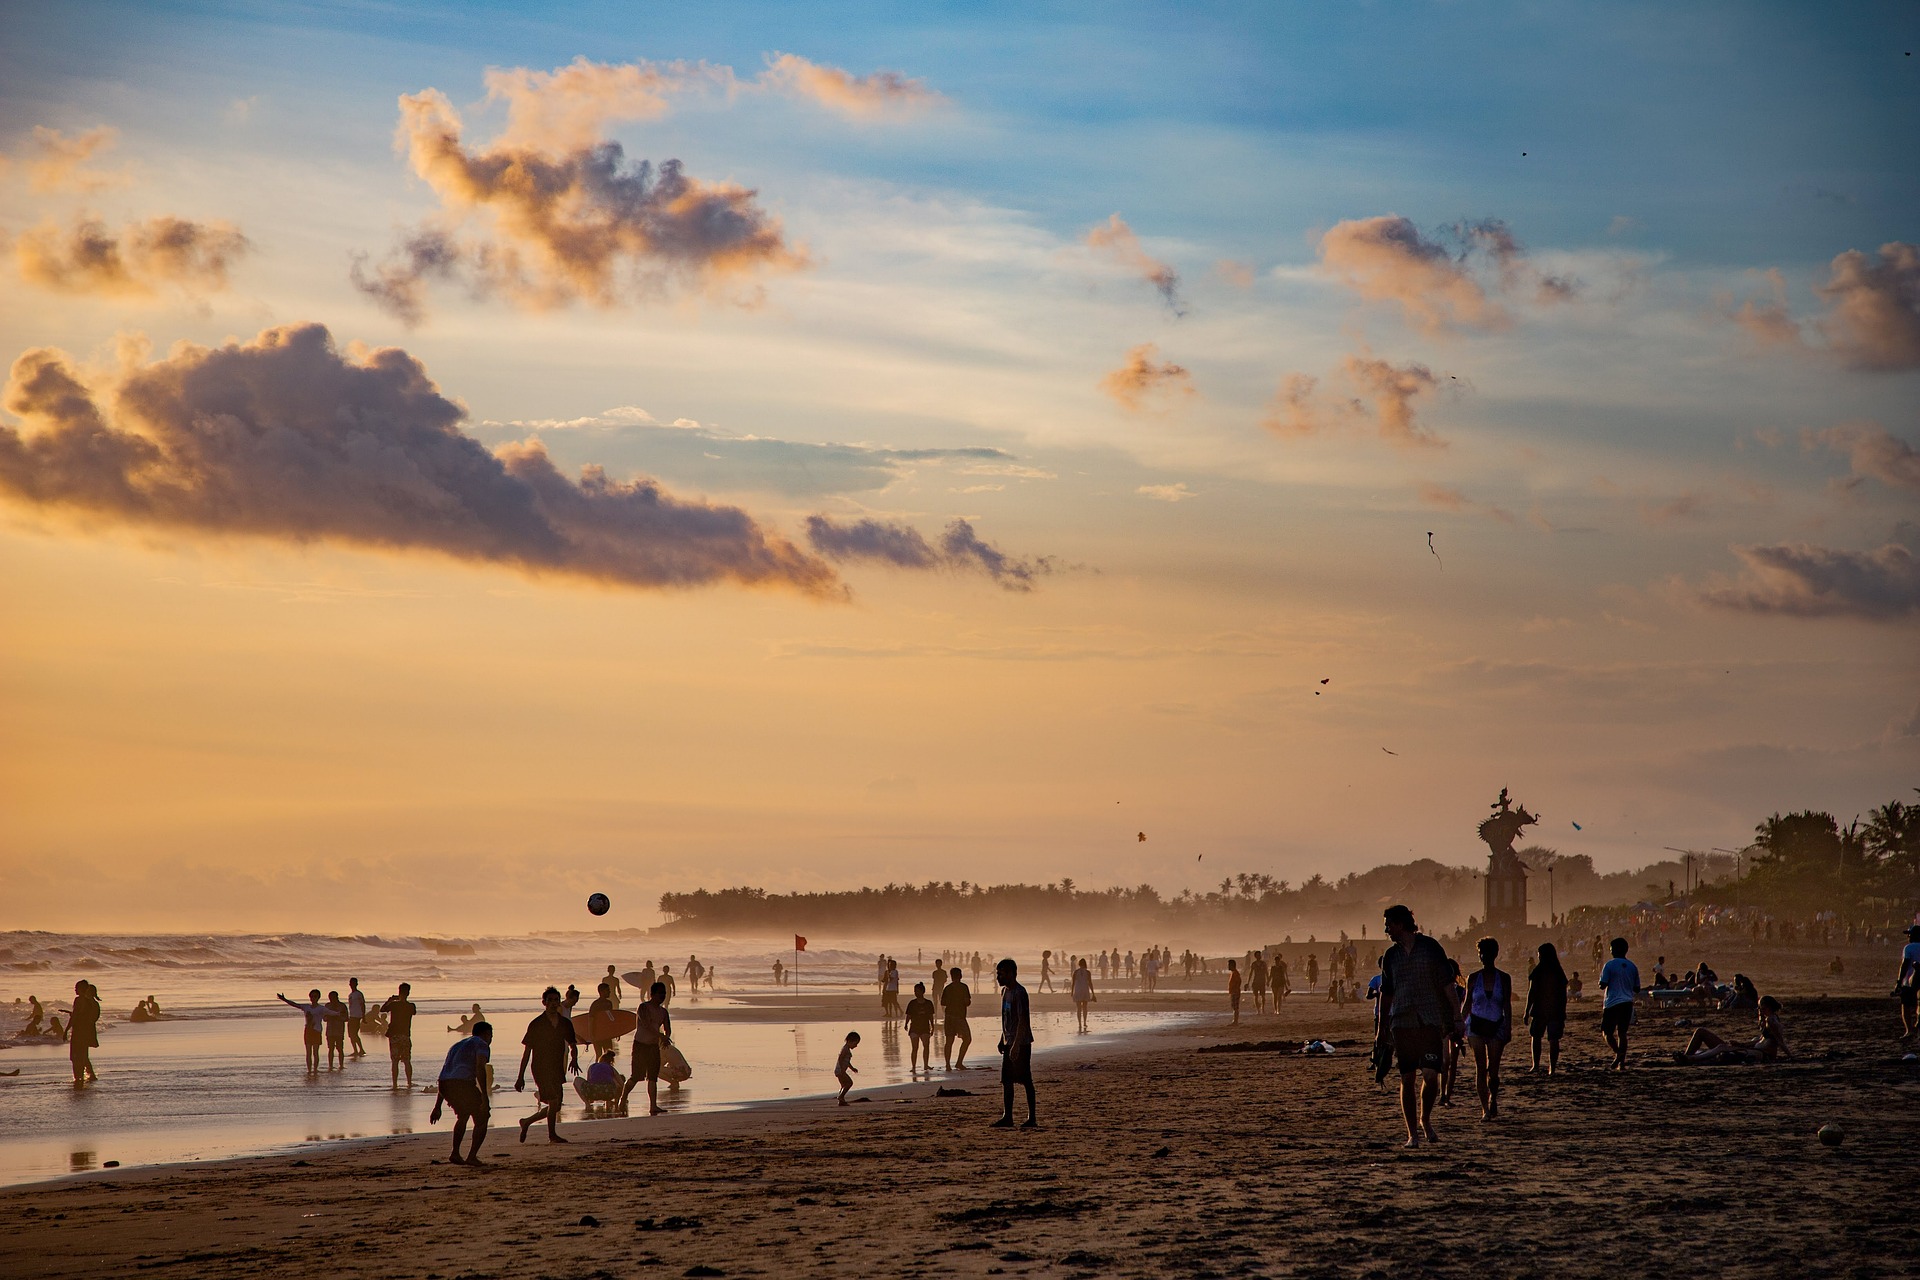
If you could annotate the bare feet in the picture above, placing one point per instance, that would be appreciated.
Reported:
(1004, 1122)
(524, 1126)
(554, 1137)
(1411, 1142)
(456, 1158)
(1432, 1137)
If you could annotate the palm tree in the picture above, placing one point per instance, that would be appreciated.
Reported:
(1893, 834)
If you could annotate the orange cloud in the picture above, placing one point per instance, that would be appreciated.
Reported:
(1395, 390)
(1144, 375)
(1387, 259)
(1446, 498)
(1116, 240)
(57, 163)
(284, 438)
(1292, 412)
(1872, 452)
(1770, 321)
(567, 109)
(879, 95)
(194, 257)
(1873, 307)
(1234, 272)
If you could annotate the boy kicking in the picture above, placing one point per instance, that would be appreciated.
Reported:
(844, 1070)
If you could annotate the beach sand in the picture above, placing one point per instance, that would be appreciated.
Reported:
(1154, 1159)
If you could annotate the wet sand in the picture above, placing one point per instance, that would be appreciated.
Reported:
(1154, 1159)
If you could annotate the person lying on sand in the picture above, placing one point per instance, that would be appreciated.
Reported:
(1708, 1049)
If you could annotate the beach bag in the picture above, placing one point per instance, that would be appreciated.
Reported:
(674, 1067)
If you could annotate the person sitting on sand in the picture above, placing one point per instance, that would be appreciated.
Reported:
(461, 1088)
(953, 1003)
(602, 1083)
(1708, 1049)
(314, 1031)
(1575, 986)
(843, 1068)
(467, 1021)
(649, 1040)
(1743, 996)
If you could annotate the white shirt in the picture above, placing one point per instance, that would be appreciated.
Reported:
(356, 1004)
(1082, 984)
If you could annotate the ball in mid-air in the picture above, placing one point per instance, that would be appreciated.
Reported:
(599, 904)
(1831, 1134)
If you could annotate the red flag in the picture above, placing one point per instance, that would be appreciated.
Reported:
(799, 943)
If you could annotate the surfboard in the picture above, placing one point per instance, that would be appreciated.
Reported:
(621, 1022)
(634, 981)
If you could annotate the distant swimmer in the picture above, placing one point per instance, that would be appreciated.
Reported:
(83, 1030)
(953, 1003)
(650, 1039)
(336, 1026)
(1016, 1045)
(398, 1011)
(314, 1030)
(919, 1030)
(356, 1016)
(36, 1015)
(463, 1087)
(843, 1068)
(469, 1019)
(550, 1048)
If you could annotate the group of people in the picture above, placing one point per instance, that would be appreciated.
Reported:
(339, 1024)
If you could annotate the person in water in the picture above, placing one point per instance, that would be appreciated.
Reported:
(919, 1030)
(398, 1011)
(83, 1031)
(336, 1026)
(954, 1001)
(1082, 992)
(356, 1016)
(1016, 1045)
(468, 1019)
(36, 1016)
(314, 1031)
(462, 1086)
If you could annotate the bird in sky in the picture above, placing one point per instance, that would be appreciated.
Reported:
(1329, 678)
(1143, 836)
(1391, 753)
(1578, 827)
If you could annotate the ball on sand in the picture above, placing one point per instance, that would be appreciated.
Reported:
(598, 904)
(1831, 1134)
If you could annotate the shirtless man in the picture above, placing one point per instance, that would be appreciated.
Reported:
(356, 1014)
(919, 1029)
(399, 1011)
(953, 1002)
(649, 1042)
(1016, 1045)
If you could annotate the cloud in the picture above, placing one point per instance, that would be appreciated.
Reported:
(1143, 375)
(282, 437)
(1177, 492)
(194, 257)
(241, 110)
(1387, 259)
(1115, 239)
(904, 547)
(1687, 506)
(1770, 321)
(1395, 390)
(1807, 581)
(1873, 308)
(1871, 452)
(1447, 498)
(880, 95)
(1234, 272)
(556, 215)
(56, 163)
(1291, 412)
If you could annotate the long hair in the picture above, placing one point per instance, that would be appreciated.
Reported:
(1549, 965)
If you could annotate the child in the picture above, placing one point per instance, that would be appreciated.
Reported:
(844, 1070)
(920, 1029)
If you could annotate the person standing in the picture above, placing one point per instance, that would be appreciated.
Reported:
(649, 1042)
(1417, 1015)
(779, 974)
(551, 1047)
(314, 1030)
(1277, 979)
(1313, 969)
(1082, 991)
(1546, 1010)
(1620, 979)
(600, 1018)
(919, 1029)
(843, 1068)
(1489, 1024)
(953, 1002)
(890, 990)
(938, 986)
(1016, 1045)
(1233, 988)
(1257, 979)
(336, 1028)
(398, 1010)
(83, 1030)
(356, 1014)
(1906, 987)
(612, 981)
(462, 1086)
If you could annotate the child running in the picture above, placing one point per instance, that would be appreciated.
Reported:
(844, 1070)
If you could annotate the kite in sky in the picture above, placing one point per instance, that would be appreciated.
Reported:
(1436, 553)
(1578, 827)
(1143, 836)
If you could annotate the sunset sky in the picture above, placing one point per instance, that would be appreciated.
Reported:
(1008, 429)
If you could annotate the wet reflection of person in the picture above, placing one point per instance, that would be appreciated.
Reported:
(1016, 1046)
(463, 1087)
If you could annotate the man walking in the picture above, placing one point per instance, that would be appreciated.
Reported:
(1621, 981)
(356, 1014)
(551, 1047)
(463, 1086)
(649, 1041)
(400, 1010)
(953, 1003)
(1016, 1045)
(1417, 1016)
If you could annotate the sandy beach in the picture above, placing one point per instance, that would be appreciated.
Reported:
(1158, 1155)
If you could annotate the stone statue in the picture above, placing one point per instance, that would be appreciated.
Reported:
(1504, 827)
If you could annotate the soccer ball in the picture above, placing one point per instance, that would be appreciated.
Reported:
(1831, 1134)
(599, 905)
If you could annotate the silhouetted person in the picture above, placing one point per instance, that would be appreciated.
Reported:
(1546, 1011)
(649, 1041)
(1016, 1045)
(1489, 1024)
(890, 991)
(953, 1003)
(600, 1018)
(463, 1087)
(398, 1011)
(1417, 1014)
(612, 984)
(779, 974)
(335, 1021)
(551, 1047)
(843, 1068)
(1621, 981)
(1046, 971)
(1233, 989)
(83, 1030)
(1082, 991)
(919, 1029)
(356, 1015)
(315, 1029)
(1906, 985)
(1706, 1048)
(37, 1016)
(1257, 979)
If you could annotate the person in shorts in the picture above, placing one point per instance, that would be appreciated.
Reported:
(1016, 1045)
(655, 1029)
(463, 1087)
(1417, 1016)
(1620, 979)
(399, 1011)
(551, 1048)
(919, 1030)
(1906, 987)
(954, 1001)
(356, 1015)
(843, 1069)
(336, 1027)
(316, 1015)
(1546, 1010)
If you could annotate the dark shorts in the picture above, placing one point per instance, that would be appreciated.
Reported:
(466, 1098)
(1617, 1017)
(1549, 1028)
(1016, 1065)
(646, 1061)
(1909, 997)
(957, 1027)
(400, 1048)
(550, 1086)
(313, 1037)
(1417, 1048)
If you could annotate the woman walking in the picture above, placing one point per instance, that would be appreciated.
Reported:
(1489, 1024)
(1546, 1011)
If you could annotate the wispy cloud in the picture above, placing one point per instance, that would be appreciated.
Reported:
(1446, 498)
(56, 162)
(1804, 580)
(904, 547)
(1439, 290)
(1143, 376)
(136, 262)
(1115, 240)
(1176, 492)
(880, 95)
(1872, 452)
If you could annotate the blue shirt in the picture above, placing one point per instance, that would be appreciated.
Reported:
(1620, 980)
(465, 1059)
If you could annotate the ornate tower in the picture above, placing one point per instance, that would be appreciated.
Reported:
(1506, 874)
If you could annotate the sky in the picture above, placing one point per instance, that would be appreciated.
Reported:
(456, 458)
